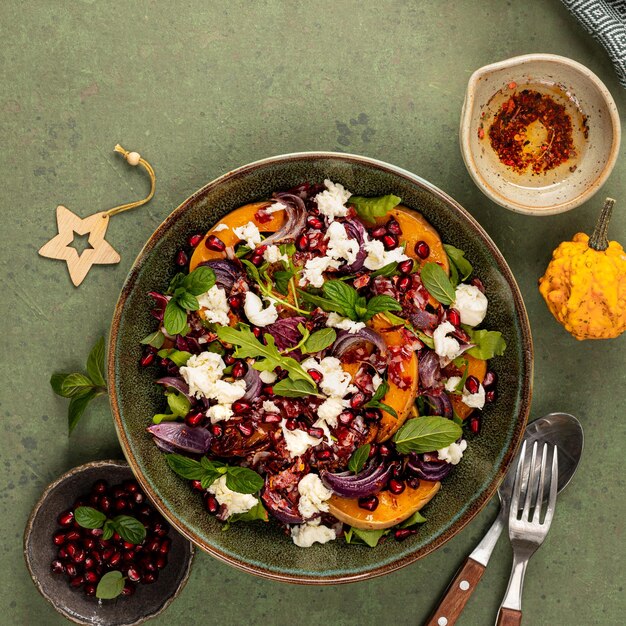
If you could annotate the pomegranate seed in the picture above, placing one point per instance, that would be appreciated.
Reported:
(211, 503)
(241, 406)
(91, 577)
(369, 504)
(373, 451)
(194, 240)
(89, 589)
(153, 545)
(245, 429)
(181, 258)
(393, 227)
(403, 533)
(70, 569)
(164, 362)
(196, 485)
(302, 243)
(316, 432)
(413, 482)
(217, 431)
(257, 258)
(147, 359)
(161, 561)
(422, 249)
(316, 375)
(105, 504)
(472, 384)
(96, 532)
(89, 543)
(390, 242)
(133, 574)
(256, 332)
(90, 562)
(73, 535)
(160, 529)
(149, 577)
(396, 469)
(403, 283)
(214, 243)
(229, 359)
(357, 399)
(314, 222)
(56, 567)
(107, 554)
(235, 302)
(58, 538)
(272, 418)
(79, 556)
(194, 419)
(100, 487)
(373, 415)
(239, 369)
(76, 581)
(475, 425)
(128, 589)
(166, 544)
(137, 497)
(490, 380)
(66, 518)
(268, 390)
(379, 232)
(384, 450)
(323, 455)
(291, 424)
(346, 417)
(491, 396)
(96, 556)
(396, 486)
(406, 267)
(454, 317)
(121, 504)
(62, 554)
(115, 558)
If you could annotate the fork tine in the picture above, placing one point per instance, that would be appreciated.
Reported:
(540, 492)
(554, 485)
(514, 507)
(531, 485)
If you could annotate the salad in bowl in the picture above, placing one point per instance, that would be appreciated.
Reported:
(323, 365)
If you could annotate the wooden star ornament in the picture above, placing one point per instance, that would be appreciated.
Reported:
(101, 251)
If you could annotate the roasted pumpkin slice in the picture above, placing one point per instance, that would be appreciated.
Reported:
(391, 509)
(238, 217)
(477, 368)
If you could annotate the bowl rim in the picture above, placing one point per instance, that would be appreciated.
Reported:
(459, 524)
(466, 117)
(103, 464)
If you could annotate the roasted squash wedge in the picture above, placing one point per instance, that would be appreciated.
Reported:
(477, 368)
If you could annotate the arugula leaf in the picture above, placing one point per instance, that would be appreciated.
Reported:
(295, 388)
(391, 269)
(257, 512)
(88, 517)
(281, 281)
(416, 518)
(174, 318)
(77, 407)
(426, 434)
(75, 385)
(359, 458)
(437, 283)
(319, 340)
(243, 480)
(178, 357)
(489, 343)
(95, 364)
(458, 261)
(343, 295)
(199, 281)
(155, 339)
(110, 585)
(371, 208)
(380, 304)
(368, 537)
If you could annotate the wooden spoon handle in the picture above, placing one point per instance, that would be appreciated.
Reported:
(509, 617)
(457, 594)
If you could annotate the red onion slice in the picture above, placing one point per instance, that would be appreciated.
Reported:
(366, 483)
(296, 219)
(177, 434)
(226, 272)
(440, 402)
(253, 384)
(429, 369)
(428, 470)
(175, 382)
(346, 340)
(280, 507)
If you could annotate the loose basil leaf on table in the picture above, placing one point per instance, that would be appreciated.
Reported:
(95, 364)
(426, 434)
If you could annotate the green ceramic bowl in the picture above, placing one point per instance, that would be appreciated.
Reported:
(262, 548)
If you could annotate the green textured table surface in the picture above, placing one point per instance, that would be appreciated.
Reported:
(199, 88)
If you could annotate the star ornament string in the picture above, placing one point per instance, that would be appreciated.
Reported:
(95, 226)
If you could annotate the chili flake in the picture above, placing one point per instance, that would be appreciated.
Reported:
(532, 130)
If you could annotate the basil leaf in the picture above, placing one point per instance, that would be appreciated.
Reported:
(320, 340)
(371, 208)
(88, 517)
(344, 296)
(323, 303)
(391, 269)
(281, 281)
(368, 537)
(187, 301)
(454, 276)
(174, 318)
(242, 250)
(184, 466)
(199, 281)
(155, 339)
(178, 357)
(426, 434)
(294, 388)
(95, 364)
(380, 304)
(243, 480)
(110, 585)
(75, 385)
(374, 404)
(56, 382)
(175, 283)
(108, 530)
(416, 518)
(77, 407)
(457, 258)
(257, 512)
(359, 458)
(129, 528)
(489, 343)
(437, 283)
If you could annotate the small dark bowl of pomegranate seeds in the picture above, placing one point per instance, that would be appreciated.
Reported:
(98, 550)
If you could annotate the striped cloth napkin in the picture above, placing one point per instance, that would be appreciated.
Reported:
(606, 21)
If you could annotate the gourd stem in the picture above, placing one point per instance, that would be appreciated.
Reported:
(599, 240)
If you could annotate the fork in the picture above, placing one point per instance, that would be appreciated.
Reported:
(528, 533)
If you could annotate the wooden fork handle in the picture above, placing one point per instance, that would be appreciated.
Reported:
(457, 594)
(509, 617)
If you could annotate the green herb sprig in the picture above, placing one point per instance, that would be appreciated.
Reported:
(426, 434)
(460, 268)
(129, 528)
(82, 387)
(437, 283)
(359, 458)
(375, 401)
(369, 209)
(110, 585)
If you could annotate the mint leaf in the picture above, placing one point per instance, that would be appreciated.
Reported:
(380, 392)
(344, 296)
(370, 208)
(155, 339)
(416, 518)
(242, 250)
(129, 528)
(367, 537)
(108, 530)
(359, 458)
(95, 364)
(56, 382)
(243, 480)
(184, 466)
(174, 318)
(175, 283)
(380, 304)
(199, 281)
(388, 270)
(426, 434)
(323, 303)
(77, 407)
(457, 259)
(88, 517)
(110, 585)
(295, 388)
(178, 357)
(437, 283)
(75, 385)
(281, 281)
(489, 343)
(187, 301)
(319, 340)
(257, 512)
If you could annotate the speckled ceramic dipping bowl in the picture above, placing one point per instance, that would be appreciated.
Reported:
(570, 83)
(263, 549)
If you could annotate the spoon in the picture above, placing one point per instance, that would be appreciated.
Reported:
(560, 429)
